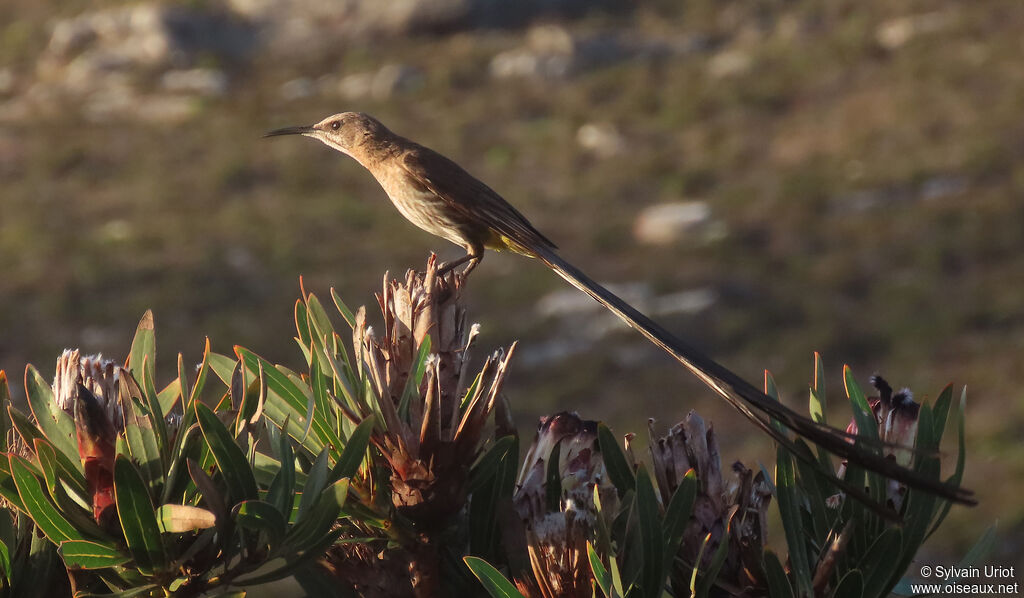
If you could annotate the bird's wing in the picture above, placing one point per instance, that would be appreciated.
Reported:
(470, 197)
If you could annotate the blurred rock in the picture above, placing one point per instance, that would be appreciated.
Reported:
(204, 82)
(667, 223)
(146, 35)
(553, 52)
(601, 139)
(103, 61)
(584, 321)
(729, 63)
(297, 89)
(6, 81)
(941, 187)
(291, 21)
(895, 33)
(689, 302)
(383, 84)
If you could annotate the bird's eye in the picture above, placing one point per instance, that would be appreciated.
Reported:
(336, 125)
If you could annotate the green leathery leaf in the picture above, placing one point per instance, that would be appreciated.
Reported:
(355, 450)
(138, 518)
(261, 516)
(281, 492)
(789, 508)
(62, 468)
(343, 309)
(492, 579)
(222, 366)
(487, 465)
(169, 396)
(8, 489)
(862, 413)
(143, 346)
(5, 420)
(619, 470)
(850, 585)
(775, 575)
(83, 554)
(958, 472)
(5, 565)
(294, 563)
(651, 537)
(229, 457)
(142, 440)
(56, 425)
(602, 578)
(287, 402)
(316, 481)
(677, 516)
(881, 559)
(321, 517)
(38, 506)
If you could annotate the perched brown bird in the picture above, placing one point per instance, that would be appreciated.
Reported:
(437, 195)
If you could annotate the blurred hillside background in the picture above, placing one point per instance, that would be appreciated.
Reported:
(767, 178)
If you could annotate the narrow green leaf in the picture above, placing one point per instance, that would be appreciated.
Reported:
(818, 389)
(652, 578)
(961, 459)
(488, 464)
(56, 425)
(295, 563)
(867, 425)
(291, 402)
(230, 459)
(261, 516)
(83, 554)
(138, 520)
(602, 578)
(708, 576)
(5, 420)
(281, 493)
(792, 521)
(778, 583)
(677, 516)
(318, 522)
(343, 309)
(355, 450)
(222, 366)
(316, 481)
(38, 506)
(492, 579)
(882, 558)
(143, 349)
(620, 472)
(5, 566)
(169, 396)
(850, 586)
(142, 440)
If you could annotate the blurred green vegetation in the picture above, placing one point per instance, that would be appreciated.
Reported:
(872, 198)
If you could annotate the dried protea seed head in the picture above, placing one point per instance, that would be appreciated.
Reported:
(100, 376)
(431, 432)
(557, 531)
(730, 509)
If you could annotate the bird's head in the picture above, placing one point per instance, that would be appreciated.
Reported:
(345, 131)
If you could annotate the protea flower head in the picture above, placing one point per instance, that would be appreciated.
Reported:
(730, 510)
(89, 389)
(897, 415)
(560, 521)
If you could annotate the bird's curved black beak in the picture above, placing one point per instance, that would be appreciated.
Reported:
(290, 131)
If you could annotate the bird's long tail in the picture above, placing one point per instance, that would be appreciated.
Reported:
(747, 399)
